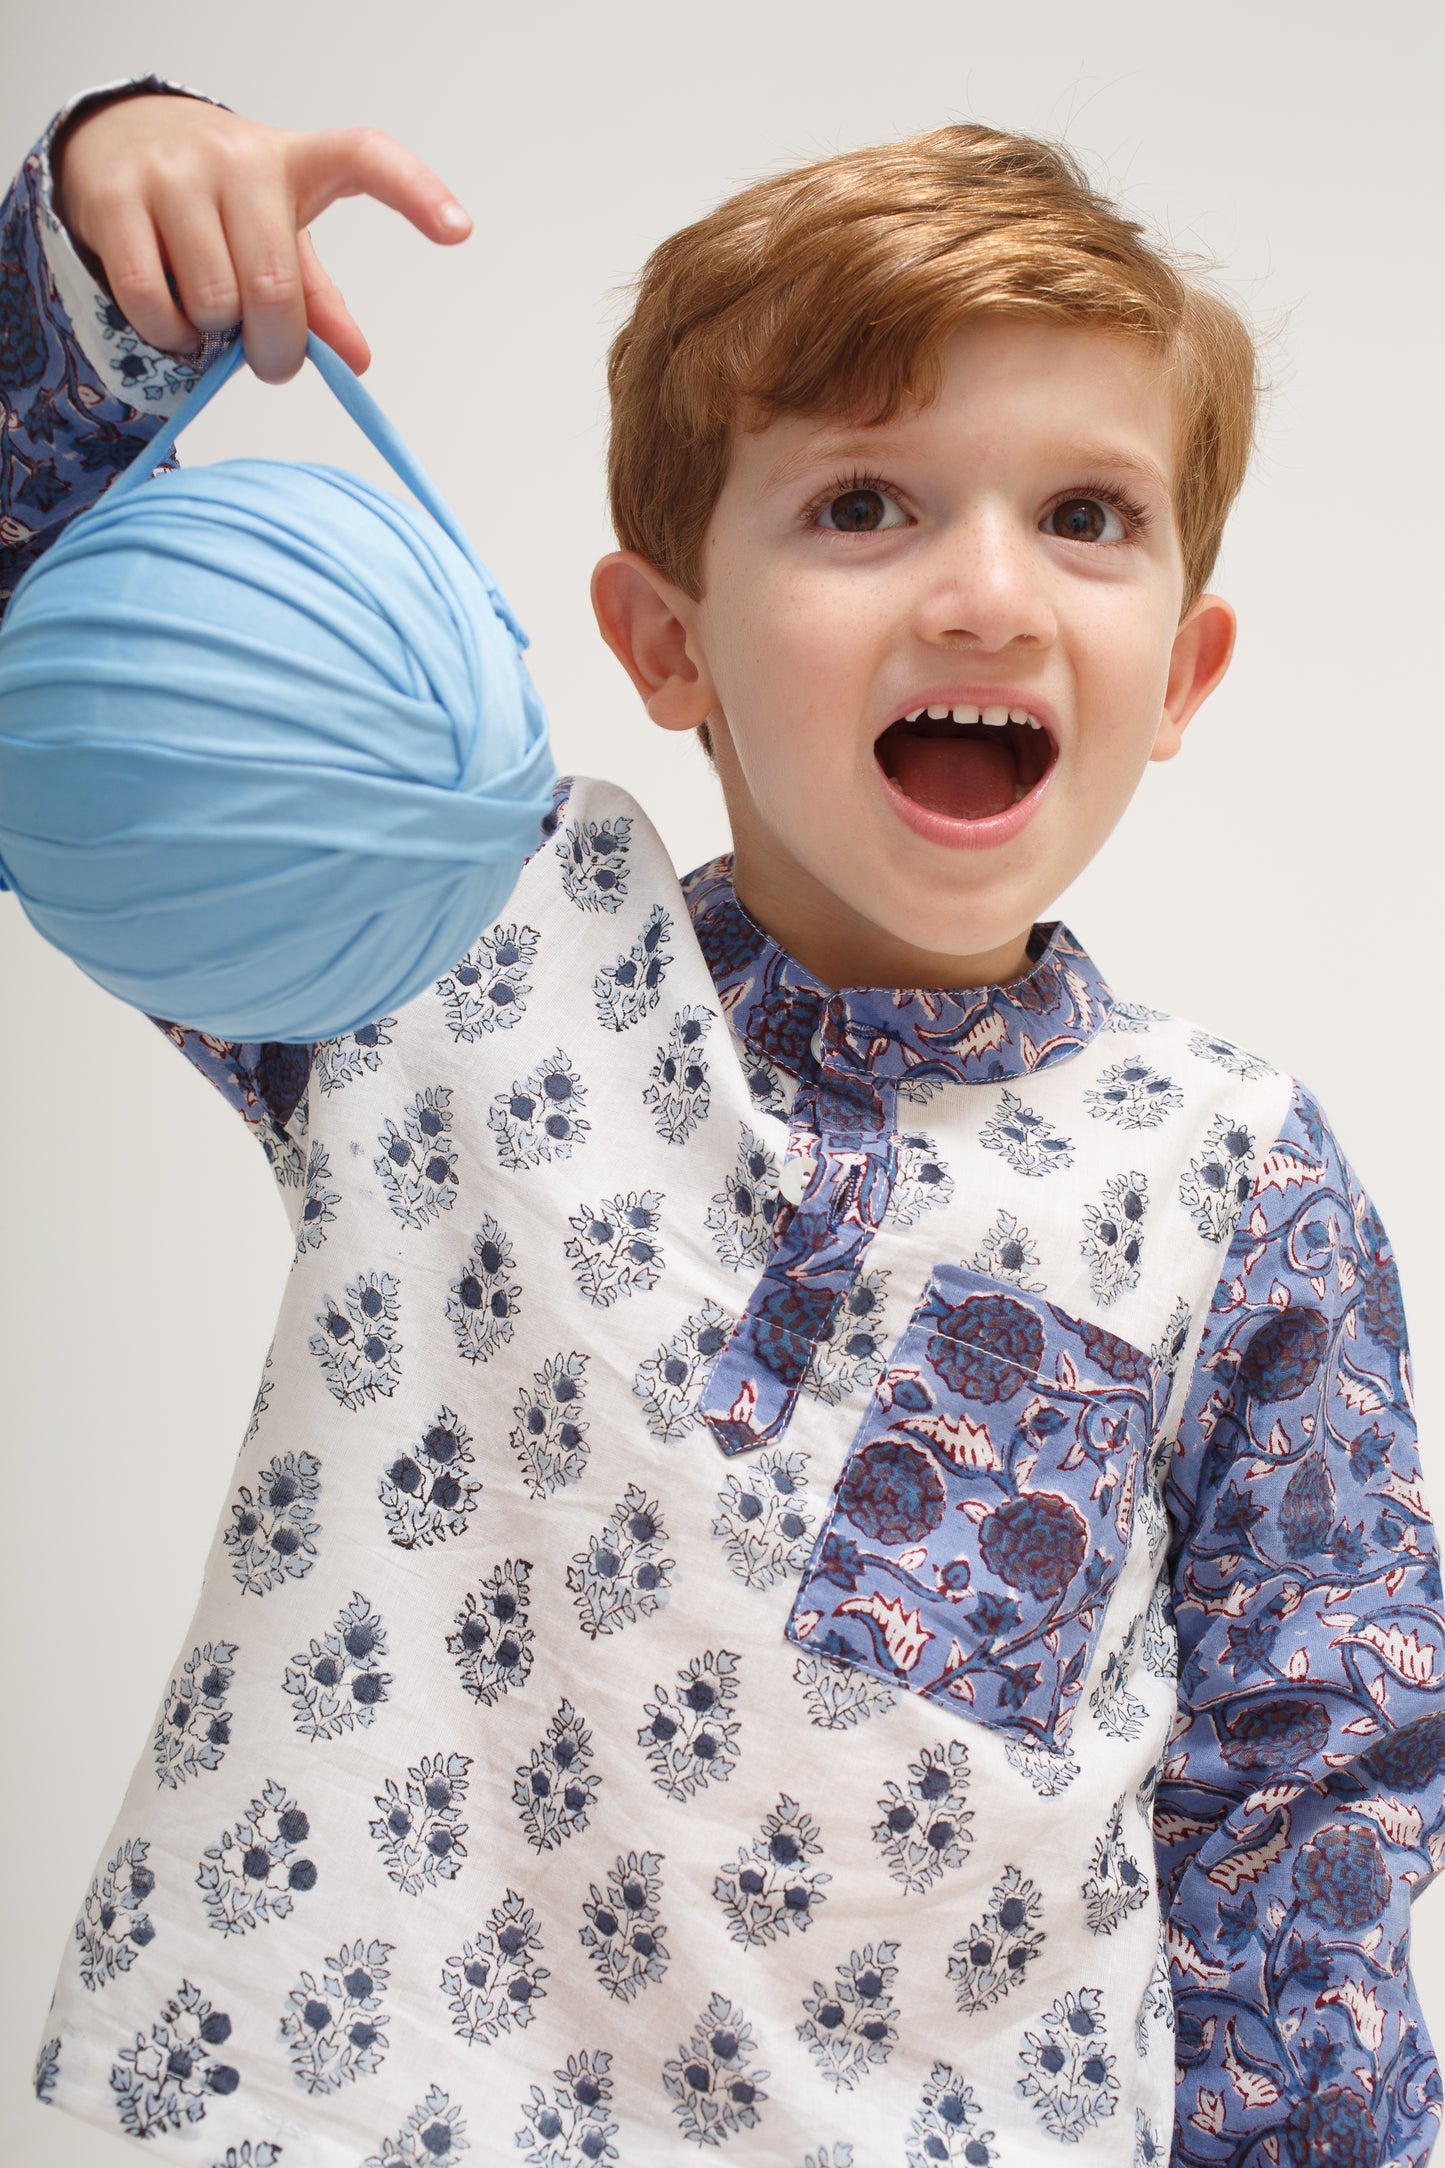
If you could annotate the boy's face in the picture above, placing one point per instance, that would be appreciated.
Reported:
(1009, 547)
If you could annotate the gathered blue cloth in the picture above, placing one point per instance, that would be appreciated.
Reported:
(270, 758)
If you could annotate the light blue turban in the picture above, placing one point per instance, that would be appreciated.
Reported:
(270, 759)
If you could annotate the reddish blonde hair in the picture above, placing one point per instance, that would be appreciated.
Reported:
(830, 289)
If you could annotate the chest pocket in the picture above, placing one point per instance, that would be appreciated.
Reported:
(982, 1515)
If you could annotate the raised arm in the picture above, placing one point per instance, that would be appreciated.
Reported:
(144, 227)
(1302, 1804)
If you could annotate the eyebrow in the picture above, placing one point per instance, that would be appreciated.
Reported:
(875, 448)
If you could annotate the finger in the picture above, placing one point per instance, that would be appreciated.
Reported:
(129, 250)
(200, 261)
(262, 240)
(334, 162)
(326, 310)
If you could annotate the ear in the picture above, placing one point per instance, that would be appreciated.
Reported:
(1197, 662)
(647, 622)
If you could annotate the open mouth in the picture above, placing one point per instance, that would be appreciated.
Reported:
(964, 762)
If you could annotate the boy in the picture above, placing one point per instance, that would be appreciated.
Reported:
(698, 1658)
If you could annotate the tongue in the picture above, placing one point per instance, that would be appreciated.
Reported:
(966, 778)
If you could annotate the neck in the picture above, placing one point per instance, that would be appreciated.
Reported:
(840, 948)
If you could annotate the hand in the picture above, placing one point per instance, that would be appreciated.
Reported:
(157, 183)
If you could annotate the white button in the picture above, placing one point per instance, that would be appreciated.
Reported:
(795, 1177)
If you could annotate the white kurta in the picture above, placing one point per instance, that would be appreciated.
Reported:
(506, 1799)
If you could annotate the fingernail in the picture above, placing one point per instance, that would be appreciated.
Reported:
(454, 217)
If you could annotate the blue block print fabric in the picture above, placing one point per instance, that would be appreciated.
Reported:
(979, 1523)
(822, 1578)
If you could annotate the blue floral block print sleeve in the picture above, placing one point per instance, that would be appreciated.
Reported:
(1302, 1802)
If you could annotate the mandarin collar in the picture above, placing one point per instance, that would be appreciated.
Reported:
(883, 1035)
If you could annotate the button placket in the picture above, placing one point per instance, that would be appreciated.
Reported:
(836, 1182)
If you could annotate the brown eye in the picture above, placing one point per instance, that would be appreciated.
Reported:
(857, 511)
(1080, 519)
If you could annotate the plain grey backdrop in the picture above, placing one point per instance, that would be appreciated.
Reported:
(1279, 882)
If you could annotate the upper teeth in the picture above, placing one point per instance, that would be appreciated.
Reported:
(995, 718)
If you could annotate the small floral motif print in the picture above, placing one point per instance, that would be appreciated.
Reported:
(922, 1182)
(741, 1215)
(1225, 1056)
(549, 1436)
(419, 1828)
(573, 2128)
(830, 2156)
(691, 1736)
(850, 1358)
(1114, 1884)
(554, 1790)
(629, 989)
(765, 1086)
(318, 1202)
(195, 1725)
(1216, 1184)
(764, 1519)
(1116, 1709)
(540, 1119)
(1133, 1016)
(1147, 2149)
(838, 1695)
(1114, 1238)
(1134, 1096)
(770, 1888)
(670, 1382)
(495, 1982)
(251, 1873)
(114, 1926)
(944, 2132)
(1159, 1640)
(165, 2079)
(339, 1062)
(927, 1828)
(358, 1348)
(418, 1165)
(491, 1638)
(259, 2153)
(1029, 1144)
(1009, 1252)
(1157, 2006)
(998, 1949)
(622, 1931)
(1049, 1770)
(622, 1575)
(47, 2072)
(593, 856)
(428, 1492)
(273, 1531)
(484, 1303)
(679, 1093)
(614, 1251)
(337, 1685)
(852, 2026)
(1068, 2069)
(1171, 1342)
(712, 2086)
(334, 2027)
(488, 989)
(436, 2130)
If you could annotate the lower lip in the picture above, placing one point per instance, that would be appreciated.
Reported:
(958, 835)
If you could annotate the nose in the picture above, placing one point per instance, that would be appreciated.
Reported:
(982, 585)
